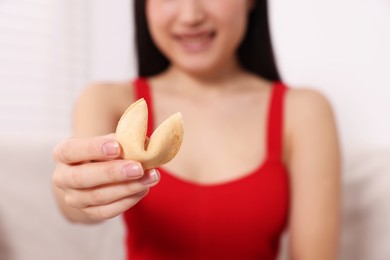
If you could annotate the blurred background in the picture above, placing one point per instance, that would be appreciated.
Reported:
(51, 49)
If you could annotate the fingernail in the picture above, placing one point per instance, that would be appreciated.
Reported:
(132, 170)
(110, 148)
(152, 177)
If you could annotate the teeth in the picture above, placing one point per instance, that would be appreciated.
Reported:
(195, 40)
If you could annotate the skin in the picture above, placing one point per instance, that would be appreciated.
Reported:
(91, 184)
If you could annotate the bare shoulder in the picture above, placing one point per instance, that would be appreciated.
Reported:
(103, 93)
(307, 101)
(99, 106)
(307, 105)
(309, 116)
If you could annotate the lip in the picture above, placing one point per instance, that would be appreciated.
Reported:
(195, 41)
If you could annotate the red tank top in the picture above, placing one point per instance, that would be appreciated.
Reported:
(240, 219)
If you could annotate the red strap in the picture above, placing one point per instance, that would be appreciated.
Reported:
(275, 122)
(142, 90)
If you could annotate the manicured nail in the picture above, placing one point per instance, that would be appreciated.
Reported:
(132, 170)
(152, 177)
(110, 148)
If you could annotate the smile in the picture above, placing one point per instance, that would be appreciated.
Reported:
(195, 42)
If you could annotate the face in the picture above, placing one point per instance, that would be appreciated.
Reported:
(198, 36)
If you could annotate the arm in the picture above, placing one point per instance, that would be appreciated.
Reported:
(313, 160)
(91, 182)
(96, 110)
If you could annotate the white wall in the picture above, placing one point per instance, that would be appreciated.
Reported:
(112, 40)
(342, 48)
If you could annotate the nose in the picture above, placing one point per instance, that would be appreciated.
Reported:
(191, 12)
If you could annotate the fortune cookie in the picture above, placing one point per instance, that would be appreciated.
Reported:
(160, 148)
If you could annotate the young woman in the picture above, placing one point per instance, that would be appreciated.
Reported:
(257, 157)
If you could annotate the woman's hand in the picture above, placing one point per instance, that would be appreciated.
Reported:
(91, 181)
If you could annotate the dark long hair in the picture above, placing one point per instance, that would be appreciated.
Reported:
(255, 52)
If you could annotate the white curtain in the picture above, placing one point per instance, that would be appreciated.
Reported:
(49, 51)
(43, 64)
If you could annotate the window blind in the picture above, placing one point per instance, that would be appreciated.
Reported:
(43, 64)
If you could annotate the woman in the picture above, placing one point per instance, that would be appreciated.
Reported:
(256, 157)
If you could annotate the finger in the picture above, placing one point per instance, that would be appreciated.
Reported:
(77, 150)
(95, 174)
(104, 212)
(82, 198)
(110, 193)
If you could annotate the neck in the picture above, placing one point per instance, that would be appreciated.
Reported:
(221, 79)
